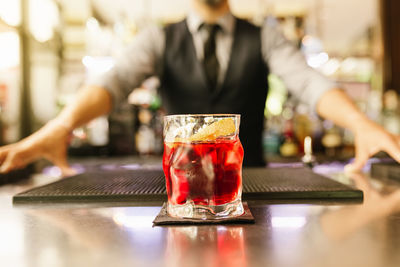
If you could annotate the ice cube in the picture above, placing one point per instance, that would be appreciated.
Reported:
(208, 119)
(181, 133)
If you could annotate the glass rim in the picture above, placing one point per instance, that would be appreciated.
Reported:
(216, 115)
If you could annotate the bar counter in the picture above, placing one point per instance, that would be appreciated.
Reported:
(285, 234)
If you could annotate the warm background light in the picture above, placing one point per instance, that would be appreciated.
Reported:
(43, 17)
(9, 50)
(10, 12)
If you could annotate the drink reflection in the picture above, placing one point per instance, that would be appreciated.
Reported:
(378, 203)
(107, 232)
(205, 246)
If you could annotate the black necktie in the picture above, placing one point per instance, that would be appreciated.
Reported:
(211, 65)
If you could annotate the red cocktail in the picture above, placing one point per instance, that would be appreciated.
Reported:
(203, 167)
(208, 173)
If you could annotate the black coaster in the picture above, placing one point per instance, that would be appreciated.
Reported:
(164, 219)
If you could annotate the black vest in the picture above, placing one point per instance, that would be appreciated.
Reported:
(185, 91)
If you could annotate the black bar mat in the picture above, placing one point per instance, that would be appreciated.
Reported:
(149, 186)
(386, 170)
(164, 219)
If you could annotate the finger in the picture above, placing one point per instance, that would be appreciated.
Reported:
(393, 149)
(3, 155)
(4, 152)
(62, 163)
(67, 171)
(359, 161)
(10, 163)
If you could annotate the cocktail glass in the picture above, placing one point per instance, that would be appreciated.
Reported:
(202, 164)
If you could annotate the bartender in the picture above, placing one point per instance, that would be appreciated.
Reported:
(211, 62)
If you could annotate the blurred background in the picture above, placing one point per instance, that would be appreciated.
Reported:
(48, 48)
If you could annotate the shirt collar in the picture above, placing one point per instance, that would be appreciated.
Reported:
(226, 22)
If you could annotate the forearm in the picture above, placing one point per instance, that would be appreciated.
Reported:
(51, 141)
(336, 106)
(91, 102)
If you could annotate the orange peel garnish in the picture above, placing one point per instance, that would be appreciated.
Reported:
(217, 129)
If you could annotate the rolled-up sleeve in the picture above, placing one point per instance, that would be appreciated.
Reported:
(140, 60)
(286, 61)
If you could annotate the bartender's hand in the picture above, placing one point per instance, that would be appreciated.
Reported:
(50, 142)
(371, 138)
